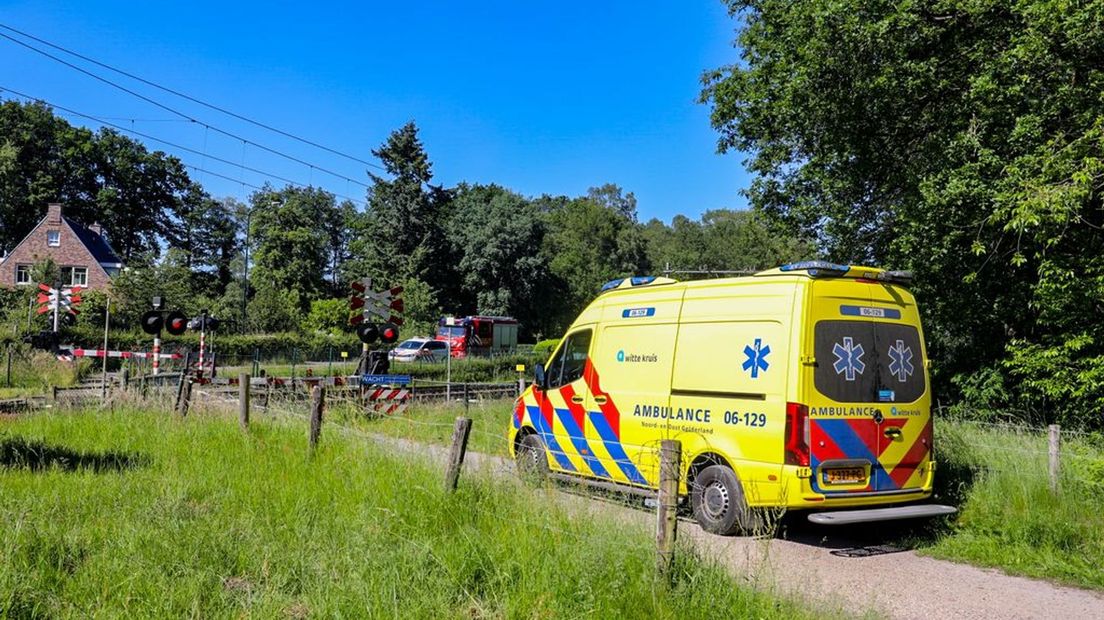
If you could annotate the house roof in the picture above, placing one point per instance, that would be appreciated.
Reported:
(96, 243)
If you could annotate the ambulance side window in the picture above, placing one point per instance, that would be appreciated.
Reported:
(569, 363)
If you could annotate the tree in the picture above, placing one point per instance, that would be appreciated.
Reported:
(137, 194)
(401, 236)
(609, 196)
(587, 245)
(43, 159)
(497, 235)
(208, 234)
(960, 140)
(290, 243)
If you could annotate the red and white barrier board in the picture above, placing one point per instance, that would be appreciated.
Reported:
(386, 400)
(122, 354)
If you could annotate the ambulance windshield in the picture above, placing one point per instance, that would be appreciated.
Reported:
(868, 362)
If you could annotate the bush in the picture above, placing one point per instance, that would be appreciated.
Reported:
(545, 347)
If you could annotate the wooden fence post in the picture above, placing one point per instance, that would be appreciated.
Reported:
(1054, 436)
(53, 394)
(457, 451)
(243, 401)
(185, 396)
(183, 377)
(465, 398)
(124, 378)
(318, 400)
(670, 457)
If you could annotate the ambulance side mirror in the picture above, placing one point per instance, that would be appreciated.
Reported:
(539, 379)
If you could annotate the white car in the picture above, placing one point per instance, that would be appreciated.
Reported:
(419, 350)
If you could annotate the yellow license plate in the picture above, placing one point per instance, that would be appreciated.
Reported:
(845, 475)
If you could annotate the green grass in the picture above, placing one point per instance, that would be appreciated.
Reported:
(33, 372)
(134, 514)
(1009, 518)
(434, 422)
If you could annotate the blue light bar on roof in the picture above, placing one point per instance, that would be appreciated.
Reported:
(612, 284)
(633, 281)
(817, 268)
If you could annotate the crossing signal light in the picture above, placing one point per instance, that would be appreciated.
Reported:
(388, 333)
(152, 322)
(367, 332)
(176, 323)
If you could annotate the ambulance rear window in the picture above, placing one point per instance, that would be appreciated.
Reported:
(868, 362)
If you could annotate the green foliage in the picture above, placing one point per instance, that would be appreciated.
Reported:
(587, 245)
(545, 347)
(959, 140)
(134, 514)
(327, 316)
(495, 232)
(291, 245)
(723, 240)
(274, 309)
(1009, 518)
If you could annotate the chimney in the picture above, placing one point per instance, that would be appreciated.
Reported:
(96, 228)
(53, 214)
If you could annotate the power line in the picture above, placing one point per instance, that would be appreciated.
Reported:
(192, 99)
(174, 145)
(178, 112)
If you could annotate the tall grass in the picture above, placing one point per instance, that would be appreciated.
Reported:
(33, 372)
(997, 476)
(134, 514)
(1009, 518)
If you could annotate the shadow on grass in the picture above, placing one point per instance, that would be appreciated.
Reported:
(17, 452)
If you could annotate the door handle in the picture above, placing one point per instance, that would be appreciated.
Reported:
(577, 399)
(893, 432)
(601, 400)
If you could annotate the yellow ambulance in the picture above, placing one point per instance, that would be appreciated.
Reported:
(803, 387)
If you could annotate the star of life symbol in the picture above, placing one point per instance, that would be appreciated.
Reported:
(848, 358)
(900, 361)
(756, 357)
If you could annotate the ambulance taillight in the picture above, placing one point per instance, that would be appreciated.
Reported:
(797, 435)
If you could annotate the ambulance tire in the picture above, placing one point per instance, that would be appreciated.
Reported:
(717, 498)
(532, 461)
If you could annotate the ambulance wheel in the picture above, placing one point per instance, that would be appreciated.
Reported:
(532, 463)
(718, 501)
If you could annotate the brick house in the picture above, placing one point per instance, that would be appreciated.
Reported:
(83, 254)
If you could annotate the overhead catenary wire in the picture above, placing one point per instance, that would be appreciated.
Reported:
(193, 99)
(146, 136)
(183, 115)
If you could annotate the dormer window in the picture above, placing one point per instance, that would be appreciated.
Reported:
(53, 238)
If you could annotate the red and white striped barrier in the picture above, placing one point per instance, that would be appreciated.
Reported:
(122, 354)
(387, 401)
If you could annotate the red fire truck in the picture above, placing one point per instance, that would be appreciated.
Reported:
(478, 335)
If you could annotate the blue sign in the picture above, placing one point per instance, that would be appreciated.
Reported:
(848, 358)
(385, 380)
(756, 357)
(635, 313)
(867, 311)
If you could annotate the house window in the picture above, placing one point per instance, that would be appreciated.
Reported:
(74, 276)
(22, 274)
(53, 238)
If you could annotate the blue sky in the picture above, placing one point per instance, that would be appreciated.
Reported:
(541, 97)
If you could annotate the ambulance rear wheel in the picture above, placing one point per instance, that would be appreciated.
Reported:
(532, 463)
(718, 501)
